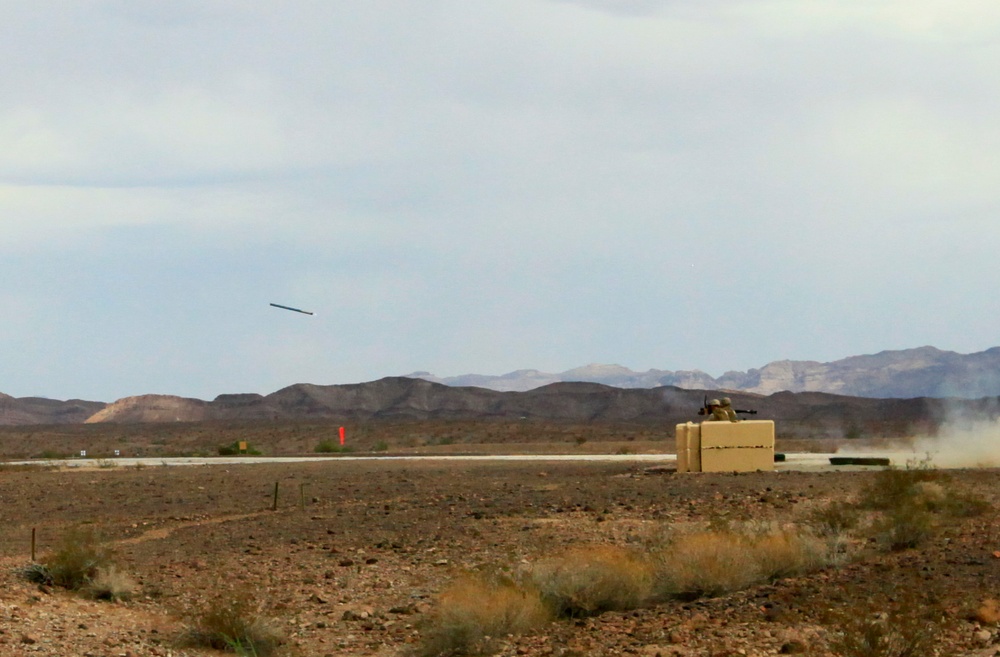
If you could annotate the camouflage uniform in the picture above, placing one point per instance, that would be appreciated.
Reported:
(715, 412)
(726, 405)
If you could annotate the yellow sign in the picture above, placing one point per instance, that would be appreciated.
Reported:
(243, 445)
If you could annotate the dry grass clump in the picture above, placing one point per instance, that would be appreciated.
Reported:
(77, 559)
(893, 487)
(904, 526)
(588, 580)
(81, 562)
(909, 628)
(913, 502)
(715, 562)
(233, 622)
(478, 608)
(835, 519)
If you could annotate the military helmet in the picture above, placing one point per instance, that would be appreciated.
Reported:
(714, 402)
(726, 401)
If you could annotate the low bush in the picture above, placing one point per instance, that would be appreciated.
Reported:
(478, 608)
(907, 628)
(835, 519)
(714, 562)
(233, 622)
(330, 447)
(904, 526)
(592, 579)
(77, 559)
(893, 487)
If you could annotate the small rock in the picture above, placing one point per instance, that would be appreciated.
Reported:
(988, 612)
(404, 610)
(984, 636)
(29, 639)
(364, 613)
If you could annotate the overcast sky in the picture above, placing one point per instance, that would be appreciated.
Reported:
(482, 186)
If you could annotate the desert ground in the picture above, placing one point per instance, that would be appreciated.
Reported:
(354, 556)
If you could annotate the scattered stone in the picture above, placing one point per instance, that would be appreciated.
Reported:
(988, 612)
(357, 615)
(404, 610)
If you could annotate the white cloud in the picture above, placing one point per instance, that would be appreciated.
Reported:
(498, 184)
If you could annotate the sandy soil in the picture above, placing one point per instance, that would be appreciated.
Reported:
(354, 555)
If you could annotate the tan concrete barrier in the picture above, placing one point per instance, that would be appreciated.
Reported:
(725, 446)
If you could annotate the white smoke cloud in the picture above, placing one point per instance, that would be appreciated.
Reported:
(962, 443)
(969, 437)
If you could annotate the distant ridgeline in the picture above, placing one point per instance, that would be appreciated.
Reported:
(403, 399)
(908, 373)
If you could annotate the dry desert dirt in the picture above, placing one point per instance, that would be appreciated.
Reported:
(354, 557)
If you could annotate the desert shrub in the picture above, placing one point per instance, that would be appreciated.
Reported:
(330, 447)
(961, 504)
(714, 562)
(36, 573)
(705, 563)
(234, 622)
(380, 446)
(893, 487)
(788, 553)
(904, 526)
(909, 629)
(591, 579)
(834, 519)
(477, 608)
(110, 583)
(77, 559)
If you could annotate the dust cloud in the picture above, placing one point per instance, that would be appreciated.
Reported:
(965, 444)
(970, 444)
(968, 437)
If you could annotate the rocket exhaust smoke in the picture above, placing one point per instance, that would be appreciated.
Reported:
(968, 444)
(966, 439)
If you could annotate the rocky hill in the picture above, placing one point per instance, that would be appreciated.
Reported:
(400, 398)
(38, 410)
(888, 393)
(907, 373)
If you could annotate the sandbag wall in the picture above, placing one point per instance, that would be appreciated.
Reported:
(745, 446)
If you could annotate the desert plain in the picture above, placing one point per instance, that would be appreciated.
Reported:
(351, 557)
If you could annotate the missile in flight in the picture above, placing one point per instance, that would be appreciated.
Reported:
(297, 310)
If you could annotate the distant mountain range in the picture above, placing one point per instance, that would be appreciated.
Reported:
(902, 374)
(806, 414)
(886, 392)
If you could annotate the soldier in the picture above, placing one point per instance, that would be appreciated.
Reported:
(726, 404)
(715, 412)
